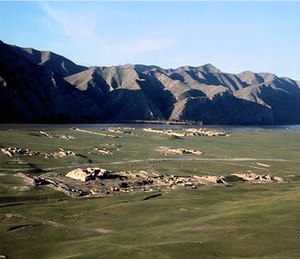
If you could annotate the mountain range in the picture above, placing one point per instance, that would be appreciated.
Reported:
(44, 87)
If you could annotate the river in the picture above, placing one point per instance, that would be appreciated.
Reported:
(155, 126)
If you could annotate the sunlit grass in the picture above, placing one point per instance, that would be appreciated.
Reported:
(244, 220)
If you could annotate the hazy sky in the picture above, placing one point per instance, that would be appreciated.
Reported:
(233, 36)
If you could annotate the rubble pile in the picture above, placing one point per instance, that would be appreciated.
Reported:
(62, 136)
(109, 182)
(104, 182)
(101, 182)
(178, 151)
(168, 132)
(253, 177)
(101, 151)
(55, 182)
(121, 130)
(62, 153)
(87, 174)
(206, 132)
(15, 151)
(189, 132)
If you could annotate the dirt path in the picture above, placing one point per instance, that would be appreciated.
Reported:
(237, 159)
(94, 133)
(42, 221)
(54, 223)
(133, 161)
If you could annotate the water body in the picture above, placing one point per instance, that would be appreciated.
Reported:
(155, 126)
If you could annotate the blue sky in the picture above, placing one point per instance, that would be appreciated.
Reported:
(233, 36)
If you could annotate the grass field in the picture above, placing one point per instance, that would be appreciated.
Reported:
(245, 220)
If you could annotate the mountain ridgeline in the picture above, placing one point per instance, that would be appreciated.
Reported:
(43, 87)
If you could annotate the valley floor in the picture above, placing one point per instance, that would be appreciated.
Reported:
(241, 219)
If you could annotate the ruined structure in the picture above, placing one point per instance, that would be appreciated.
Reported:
(177, 151)
(101, 182)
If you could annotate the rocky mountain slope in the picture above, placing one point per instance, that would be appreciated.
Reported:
(41, 86)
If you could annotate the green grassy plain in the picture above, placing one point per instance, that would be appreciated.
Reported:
(245, 220)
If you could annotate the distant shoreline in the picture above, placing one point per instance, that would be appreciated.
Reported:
(164, 122)
(140, 125)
